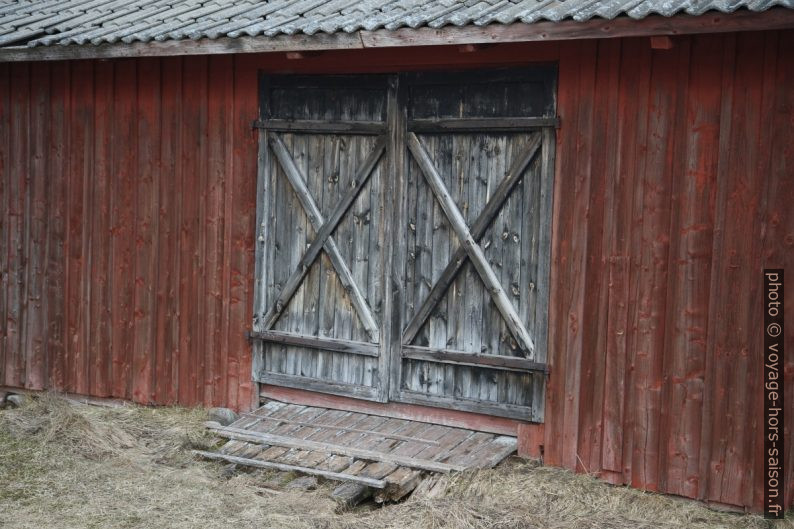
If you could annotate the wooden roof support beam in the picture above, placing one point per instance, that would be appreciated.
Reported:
(772, 19)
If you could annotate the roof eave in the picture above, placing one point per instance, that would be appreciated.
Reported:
(772, 19)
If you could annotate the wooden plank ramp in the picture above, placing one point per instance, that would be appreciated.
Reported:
(374, 456)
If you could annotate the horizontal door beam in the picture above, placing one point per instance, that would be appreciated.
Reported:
(439, 125)
(507, 363)
(311, 126)
(315, 342)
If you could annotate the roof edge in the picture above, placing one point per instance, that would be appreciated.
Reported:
(713, 22)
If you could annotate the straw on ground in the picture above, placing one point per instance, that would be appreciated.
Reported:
(74, 465)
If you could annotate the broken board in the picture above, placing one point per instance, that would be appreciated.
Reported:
(391, 456)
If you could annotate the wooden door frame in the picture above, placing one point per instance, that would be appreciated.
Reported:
(397, 127)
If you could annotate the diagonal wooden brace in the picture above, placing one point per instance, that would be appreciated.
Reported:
(323, 238)
(485, 218)
(471, 247)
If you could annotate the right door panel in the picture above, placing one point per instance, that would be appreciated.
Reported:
(475, 222)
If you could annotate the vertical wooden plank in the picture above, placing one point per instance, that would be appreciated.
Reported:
(391, 364)
(219, 77)
(229, 362)
(631, 407)
(122, 231)
(709, 401)
(169, 212)
(735, 300)
(188, 144)
(673, 358)
(779, 223)
(244, 196)
(146, 229)
(264, 285)
(769, 108)
(733, 280)
(652, 274)
(79, 258)
(17, 191)
(594, 327)
(35, 320)
(99, 337)
(57, 170)
(542, 289)
(5, 185)
(619, 204)
(191, 292)
(691, 234)
(562, 224)
(572, 182)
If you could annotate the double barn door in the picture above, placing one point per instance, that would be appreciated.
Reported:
(403, 237)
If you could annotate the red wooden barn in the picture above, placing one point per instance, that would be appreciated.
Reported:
(547, 219)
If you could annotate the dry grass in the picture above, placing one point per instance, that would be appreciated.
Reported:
(70, 465)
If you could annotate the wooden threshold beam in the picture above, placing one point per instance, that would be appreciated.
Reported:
(398, 410)
(258, 463)
(772, 19)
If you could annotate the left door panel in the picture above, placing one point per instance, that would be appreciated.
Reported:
(321, 252)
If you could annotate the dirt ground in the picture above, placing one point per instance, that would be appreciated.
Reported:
(75, 465)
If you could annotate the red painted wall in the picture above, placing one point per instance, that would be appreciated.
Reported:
(127, 192)
(674, 189)
(126, 255)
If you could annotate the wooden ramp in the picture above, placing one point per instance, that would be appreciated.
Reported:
(391, 456)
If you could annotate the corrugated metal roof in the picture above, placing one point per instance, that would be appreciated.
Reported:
(52, 22)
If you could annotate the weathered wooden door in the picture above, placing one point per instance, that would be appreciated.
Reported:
(322, 241)
(404, 237)
(476, 228)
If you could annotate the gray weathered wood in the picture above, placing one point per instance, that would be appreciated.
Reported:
(346, 429)
(321, 126)
(376, 483)
(370, 455)
(497, 409)
(324, 386)
(323, 233)
(316, 218)
(260, 236)
(395, 284)
(473, 250)
(477, 230)
(446, 125)
(428, 354)
(351, 494)
(313, 342)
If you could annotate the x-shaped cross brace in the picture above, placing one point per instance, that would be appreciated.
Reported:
(469, 247)
(324, 240)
